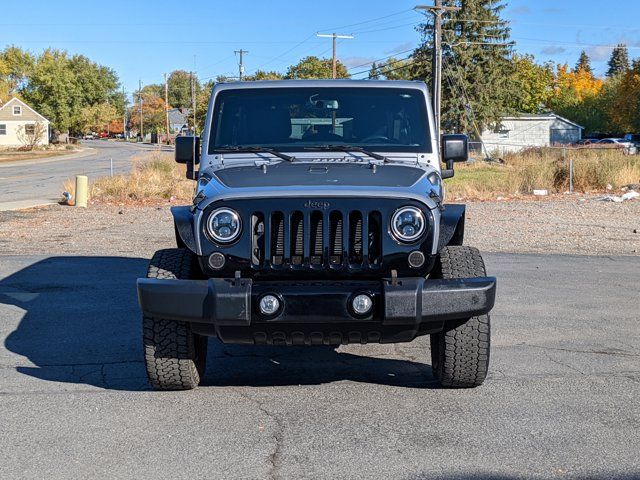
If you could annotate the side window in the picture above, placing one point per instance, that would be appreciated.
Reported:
(17, 110)
(3, 129)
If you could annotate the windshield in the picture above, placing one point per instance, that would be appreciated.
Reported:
(289, 119)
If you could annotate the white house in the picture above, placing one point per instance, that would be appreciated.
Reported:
(527, 130)
(20, 125)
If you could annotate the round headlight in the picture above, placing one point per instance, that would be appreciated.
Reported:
(224, 225)
(408, 224)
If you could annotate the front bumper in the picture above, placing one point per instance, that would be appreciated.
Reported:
(227, 306)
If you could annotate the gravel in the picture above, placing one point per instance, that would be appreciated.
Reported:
(581, 225)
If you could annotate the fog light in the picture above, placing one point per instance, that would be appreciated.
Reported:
(416, 259)
(217, 260)
(362, 304)
(269, 304)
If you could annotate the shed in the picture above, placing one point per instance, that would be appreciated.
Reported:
(515, 133)
(21, 125)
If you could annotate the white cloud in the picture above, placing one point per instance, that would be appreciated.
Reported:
(553, 50)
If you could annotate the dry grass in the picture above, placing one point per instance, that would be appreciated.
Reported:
(154, 177)
(521, 173)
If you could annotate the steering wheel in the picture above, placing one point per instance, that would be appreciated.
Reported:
(373, 138)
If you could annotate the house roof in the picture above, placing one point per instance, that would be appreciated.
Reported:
(177, 116)
(17, 100)
(541, 116)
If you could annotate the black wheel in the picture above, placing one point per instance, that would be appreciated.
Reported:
(174, 356)
(460, 355)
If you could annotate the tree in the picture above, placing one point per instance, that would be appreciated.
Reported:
(534, 84)
(179, 86)
(96, 118)
(477, 65)
(576, 96)
(59, 86)
(374, 72)
(314, 67)
(392, 69)
(153, 114)
(584, 63)
(31, 134)
(625, 104)
(264, 75)
(619, 61)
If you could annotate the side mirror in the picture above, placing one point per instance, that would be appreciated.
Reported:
(185, 150)
(455, 148)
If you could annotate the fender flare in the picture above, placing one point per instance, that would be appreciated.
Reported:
(451, 225)
(183, 223)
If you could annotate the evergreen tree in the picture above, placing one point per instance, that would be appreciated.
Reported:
(477, 67)
(374, 73)
(584, 63)
(619, 61)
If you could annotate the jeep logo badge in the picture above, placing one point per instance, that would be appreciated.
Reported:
(317, 204)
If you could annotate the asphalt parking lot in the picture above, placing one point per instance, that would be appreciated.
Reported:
(562, 399)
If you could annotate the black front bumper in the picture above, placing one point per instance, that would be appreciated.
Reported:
(317, 311)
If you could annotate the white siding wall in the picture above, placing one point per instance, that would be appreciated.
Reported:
(11, 137)
(516, 134)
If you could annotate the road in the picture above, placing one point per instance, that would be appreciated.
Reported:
(561, 399)
(36, 182)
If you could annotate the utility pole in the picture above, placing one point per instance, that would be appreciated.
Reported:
(140, 106)
(124, 114)
(436, 85)
(166, 104)
(241, 52)
(334, 63)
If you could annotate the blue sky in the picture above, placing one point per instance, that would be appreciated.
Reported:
(141, 40)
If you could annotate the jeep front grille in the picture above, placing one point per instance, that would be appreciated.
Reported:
(316, 239)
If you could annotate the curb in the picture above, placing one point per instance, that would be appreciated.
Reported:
(87, 152)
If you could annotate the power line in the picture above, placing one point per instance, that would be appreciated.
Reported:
(368, 21)
(381, 59)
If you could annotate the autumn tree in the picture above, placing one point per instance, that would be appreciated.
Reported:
(625, 106)
(153, 113)
(575, 95)
(96, 118)
(619, 61)
(314, 67)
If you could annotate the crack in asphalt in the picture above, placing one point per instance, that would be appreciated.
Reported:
(594, 352)
(278, 435)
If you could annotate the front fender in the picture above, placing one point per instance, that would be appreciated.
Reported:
(183, 222)
(451, 225)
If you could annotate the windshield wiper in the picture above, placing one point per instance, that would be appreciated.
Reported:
(241, 149)
(349, 148)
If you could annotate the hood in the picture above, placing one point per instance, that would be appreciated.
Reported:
(318, 180)
(286, 174)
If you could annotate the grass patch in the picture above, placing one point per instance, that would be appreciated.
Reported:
(154, 177)
(545, 168)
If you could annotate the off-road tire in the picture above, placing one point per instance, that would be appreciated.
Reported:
(460, 355)
(174, 356)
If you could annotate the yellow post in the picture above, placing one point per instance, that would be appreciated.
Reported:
(81, 190)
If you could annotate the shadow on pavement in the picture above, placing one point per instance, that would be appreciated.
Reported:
(81, 324)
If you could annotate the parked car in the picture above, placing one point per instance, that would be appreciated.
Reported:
(88, 136)
(633, 138)
(625, 146)
(323, 238)
(587, 141)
